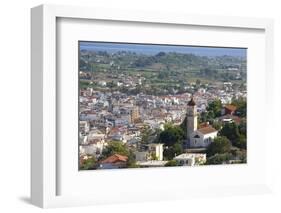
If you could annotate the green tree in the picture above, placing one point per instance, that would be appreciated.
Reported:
(131, 163)
(217, 125)
(88, 163)
(241, 142)
(202, 117)
(219, 158)
(115, 147)
(183, 126)
(236, 134)
(240, 154)
(215, 107)
(243, 127)
(171, 135)
(220, 145)
(172, 151)
(178, 148)
(210, 116)
(169, 153)
(231, 131)
(241, 105)
(145, 135)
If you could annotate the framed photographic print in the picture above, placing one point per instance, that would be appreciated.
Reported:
(129, 106)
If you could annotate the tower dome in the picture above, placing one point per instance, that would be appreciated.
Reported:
(191, 102)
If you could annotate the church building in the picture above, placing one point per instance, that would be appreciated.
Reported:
(201, 137)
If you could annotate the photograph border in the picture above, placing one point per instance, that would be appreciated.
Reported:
(44, 84)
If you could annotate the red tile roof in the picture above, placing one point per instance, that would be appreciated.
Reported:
(207, 130)
(115, 159)
(202, 125)
(230, 107)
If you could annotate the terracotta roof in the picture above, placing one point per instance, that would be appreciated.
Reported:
(207, 130)
(115, 158)
(202, 125)
(230, 107)
(191, 102)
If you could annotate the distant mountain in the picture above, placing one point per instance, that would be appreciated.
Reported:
(179, 62)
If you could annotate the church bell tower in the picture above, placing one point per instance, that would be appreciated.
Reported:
(191, 116)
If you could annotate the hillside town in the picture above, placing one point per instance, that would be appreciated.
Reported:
(167, 109)
(128, 120)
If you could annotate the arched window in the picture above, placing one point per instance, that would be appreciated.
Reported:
(196, 136)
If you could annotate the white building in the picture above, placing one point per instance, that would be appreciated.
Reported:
(155, 123)
(102, 83)
(83, 139)
(96, 134)
(119, 136)
(155, 150)
(191, 159)
(203, 137)
(119, 84)
(198, 137)
(141, 156)
(94, 149)
(88, 116)
(84, 126)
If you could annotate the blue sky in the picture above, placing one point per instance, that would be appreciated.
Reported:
(151, 49)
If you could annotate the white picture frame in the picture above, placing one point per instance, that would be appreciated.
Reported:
(44, 148)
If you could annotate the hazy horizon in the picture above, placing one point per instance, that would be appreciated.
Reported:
(152, 49)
